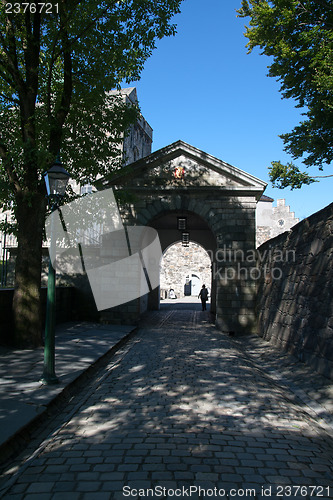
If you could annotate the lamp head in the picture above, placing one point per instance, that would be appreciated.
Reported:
(56, 179)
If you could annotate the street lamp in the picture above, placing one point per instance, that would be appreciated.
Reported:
(56, 179)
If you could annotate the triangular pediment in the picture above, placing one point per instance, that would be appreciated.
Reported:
(182, 166)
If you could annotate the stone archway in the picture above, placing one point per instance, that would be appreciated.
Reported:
(218, 202)
(166, 224)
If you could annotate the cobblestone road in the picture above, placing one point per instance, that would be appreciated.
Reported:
(180, 408)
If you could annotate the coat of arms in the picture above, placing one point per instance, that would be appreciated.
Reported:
(179, 172)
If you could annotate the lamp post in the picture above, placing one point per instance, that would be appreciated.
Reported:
(56, 179)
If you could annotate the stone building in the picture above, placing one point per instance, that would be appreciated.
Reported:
(187, 195)
(137, 142)
(272, 221)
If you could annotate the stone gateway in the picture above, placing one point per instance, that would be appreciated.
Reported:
(188, 196)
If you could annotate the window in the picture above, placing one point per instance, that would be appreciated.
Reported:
(86, 189)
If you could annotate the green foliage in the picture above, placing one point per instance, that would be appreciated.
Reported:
(56, 73)
(298, 35)
(289, 175)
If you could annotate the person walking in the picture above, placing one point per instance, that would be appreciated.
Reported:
(203, 295)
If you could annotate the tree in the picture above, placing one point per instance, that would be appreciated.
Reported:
(58, 62)
(298, 35)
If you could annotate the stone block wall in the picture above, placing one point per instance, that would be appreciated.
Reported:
(65, 309)
(229, 223)
(295, 292)
(124, 314)
(236, 289)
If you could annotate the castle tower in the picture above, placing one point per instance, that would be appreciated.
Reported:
(138, 141)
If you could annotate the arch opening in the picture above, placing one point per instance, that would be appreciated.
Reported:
(185, 265)
(184, 270)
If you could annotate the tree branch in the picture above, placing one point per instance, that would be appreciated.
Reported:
(9, 58)
(31, 52)
(7, 163)
(66, 96)
(5, 74)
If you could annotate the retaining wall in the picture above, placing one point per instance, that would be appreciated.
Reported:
(66, 309)
(295, 291)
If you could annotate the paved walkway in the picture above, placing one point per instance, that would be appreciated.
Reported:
(185, 411)
(23, 398)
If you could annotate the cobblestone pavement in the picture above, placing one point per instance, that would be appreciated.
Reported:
(181, 411)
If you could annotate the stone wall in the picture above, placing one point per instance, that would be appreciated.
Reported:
(67, 309)
(295, 294)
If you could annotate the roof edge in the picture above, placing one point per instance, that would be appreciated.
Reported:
(175, 149)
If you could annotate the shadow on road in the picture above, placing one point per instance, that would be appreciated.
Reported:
(184, 303)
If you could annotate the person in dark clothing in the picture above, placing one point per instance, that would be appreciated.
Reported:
(203, 295)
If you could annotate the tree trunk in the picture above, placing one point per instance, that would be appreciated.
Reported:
(30, 216)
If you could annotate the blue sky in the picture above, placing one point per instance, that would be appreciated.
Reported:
(202, 87)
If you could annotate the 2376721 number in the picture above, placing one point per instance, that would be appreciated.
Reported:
(303, 491)
(22, 8)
